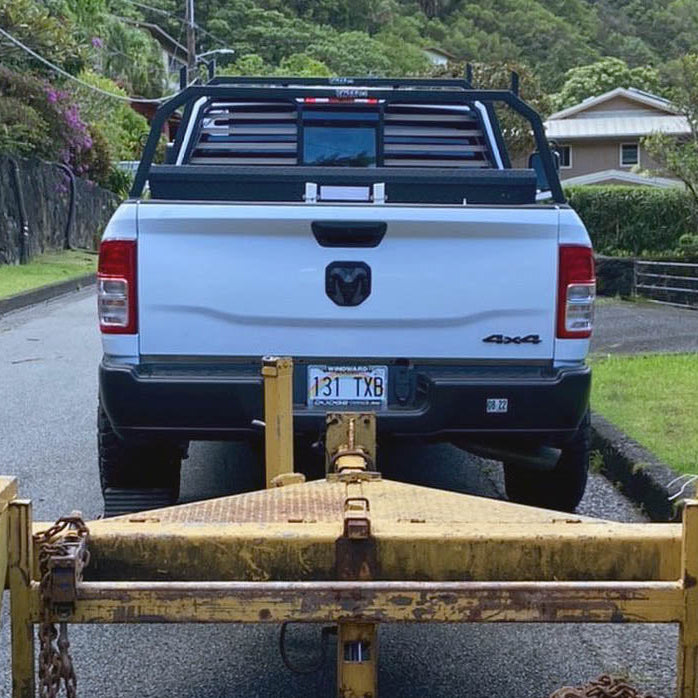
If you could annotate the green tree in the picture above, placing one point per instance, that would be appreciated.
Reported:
(679, 157)
(50, 33)
(300, 64)
(251, 64)
(351, 53)
(404, 58)
(131, 57)
(344, 15)
(685, 14)
(271, 34)
(602, 76)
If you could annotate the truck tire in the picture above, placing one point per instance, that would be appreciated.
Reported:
(562, 488)
(136, 475)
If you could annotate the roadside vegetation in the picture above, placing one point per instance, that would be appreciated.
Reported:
(46, 269)
(654, 399)
(638, 221)
(564, 51)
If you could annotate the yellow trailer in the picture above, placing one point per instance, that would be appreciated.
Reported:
(352, 550)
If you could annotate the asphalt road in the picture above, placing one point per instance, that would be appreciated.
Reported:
(638, 327)
(48, 363)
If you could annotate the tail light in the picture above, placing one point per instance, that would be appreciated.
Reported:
(576, 292)
(116, 290)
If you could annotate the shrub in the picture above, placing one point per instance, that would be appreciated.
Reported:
(64, 136)
(22, 130)
(87, 133)
(119, 182)
(95, 160)
(122, 127)
(637, 221)
(688, 244)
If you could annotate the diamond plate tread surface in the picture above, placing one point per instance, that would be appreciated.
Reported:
(321, 501)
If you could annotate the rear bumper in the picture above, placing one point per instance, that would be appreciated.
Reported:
(219, 400)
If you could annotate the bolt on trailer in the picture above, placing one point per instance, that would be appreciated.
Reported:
(351, 551)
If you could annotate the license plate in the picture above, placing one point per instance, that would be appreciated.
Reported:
(348, 386)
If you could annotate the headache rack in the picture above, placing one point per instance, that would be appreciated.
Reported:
(415, 125)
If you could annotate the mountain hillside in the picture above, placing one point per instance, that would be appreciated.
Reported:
(385, 36)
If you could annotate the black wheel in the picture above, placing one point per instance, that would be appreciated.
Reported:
(136, 475)
(561, 488)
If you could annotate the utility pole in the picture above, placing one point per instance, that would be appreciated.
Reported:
(191, 41)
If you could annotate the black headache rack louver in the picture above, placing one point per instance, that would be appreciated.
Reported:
(416, 135)
(246, 133)
(235, 132)
(430, 136)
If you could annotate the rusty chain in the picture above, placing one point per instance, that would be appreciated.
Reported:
(603, 687)
(55, 663)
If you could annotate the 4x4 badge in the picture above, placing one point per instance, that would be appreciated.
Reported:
(504, 339)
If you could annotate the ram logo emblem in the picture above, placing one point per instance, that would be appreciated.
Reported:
(348, 283)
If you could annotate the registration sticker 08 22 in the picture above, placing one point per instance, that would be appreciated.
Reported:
(497, 405)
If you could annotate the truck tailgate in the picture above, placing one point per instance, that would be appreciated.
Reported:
(234, 280)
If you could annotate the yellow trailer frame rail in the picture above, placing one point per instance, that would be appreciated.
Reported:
(353, 550)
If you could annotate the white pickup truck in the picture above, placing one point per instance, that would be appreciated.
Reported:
(373, 230)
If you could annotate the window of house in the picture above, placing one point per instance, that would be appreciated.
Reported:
(629, 154)
(565, 152)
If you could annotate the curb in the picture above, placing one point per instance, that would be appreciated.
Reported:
(45, 293)
(641, 475)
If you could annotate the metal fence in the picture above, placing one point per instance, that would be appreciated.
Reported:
(675, 283)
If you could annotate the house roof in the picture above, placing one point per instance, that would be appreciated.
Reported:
(624, 176)
(616, 127)
(653, 114)
(632, 94)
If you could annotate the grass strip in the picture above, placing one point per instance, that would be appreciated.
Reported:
(46, 269)
(654, 399)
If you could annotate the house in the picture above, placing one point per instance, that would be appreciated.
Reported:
(437, 56)
(599, 139)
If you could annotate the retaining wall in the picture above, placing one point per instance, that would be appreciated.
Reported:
(45, 190)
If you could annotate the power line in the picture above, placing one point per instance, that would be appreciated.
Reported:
(154, 9)
(66, 74)
(176, 17)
